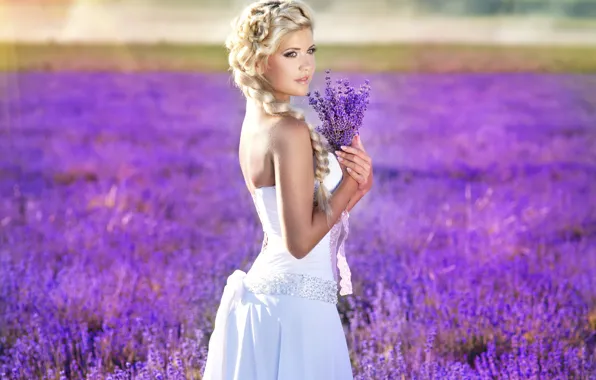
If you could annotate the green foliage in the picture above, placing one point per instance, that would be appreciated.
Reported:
(429, 58)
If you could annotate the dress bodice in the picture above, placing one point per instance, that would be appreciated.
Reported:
(274, 257)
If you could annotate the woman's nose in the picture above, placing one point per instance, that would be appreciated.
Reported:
(306, 64)
(305, 70)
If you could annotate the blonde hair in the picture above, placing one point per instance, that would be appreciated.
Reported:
(257, 33)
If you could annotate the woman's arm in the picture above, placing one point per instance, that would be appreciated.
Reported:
(362, 190)
(353, 200)
(302, 226)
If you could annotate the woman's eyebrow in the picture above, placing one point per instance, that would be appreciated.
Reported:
(295, 48)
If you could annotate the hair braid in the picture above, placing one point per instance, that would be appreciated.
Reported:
(257, 33)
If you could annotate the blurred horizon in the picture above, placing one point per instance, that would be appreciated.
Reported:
(562, 22)
(571, 8)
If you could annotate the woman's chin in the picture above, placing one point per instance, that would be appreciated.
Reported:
(301, 92)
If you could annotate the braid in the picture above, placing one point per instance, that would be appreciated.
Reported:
(252, 28)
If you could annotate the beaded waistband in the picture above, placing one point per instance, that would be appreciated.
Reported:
(293, 284)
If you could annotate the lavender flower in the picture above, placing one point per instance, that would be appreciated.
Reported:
(341, 110)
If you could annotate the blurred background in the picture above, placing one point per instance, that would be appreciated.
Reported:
(201, 21)
(123, 208)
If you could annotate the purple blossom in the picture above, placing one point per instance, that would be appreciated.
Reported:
(470, 264)
(340, 110)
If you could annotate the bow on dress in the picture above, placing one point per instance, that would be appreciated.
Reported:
(339, 234)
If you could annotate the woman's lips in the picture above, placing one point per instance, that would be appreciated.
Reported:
(303, 80)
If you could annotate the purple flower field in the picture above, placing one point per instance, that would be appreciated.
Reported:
(123, 211)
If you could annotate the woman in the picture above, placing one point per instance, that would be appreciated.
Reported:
(280, 320)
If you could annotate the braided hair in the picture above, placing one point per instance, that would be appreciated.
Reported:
(256, 34)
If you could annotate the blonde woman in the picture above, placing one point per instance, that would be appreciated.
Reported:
(280, 320)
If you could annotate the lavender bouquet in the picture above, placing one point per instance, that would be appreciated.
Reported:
(341, 111)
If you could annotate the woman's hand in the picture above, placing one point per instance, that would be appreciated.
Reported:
(358, 164)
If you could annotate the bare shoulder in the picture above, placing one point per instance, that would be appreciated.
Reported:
(290, 132)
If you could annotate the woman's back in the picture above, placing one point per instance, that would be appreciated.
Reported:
(254, 151)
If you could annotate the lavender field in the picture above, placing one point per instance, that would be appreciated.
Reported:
(123, 210)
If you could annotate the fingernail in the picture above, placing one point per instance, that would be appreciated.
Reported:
(339, 159)
(337, 152)
(343, 147)
(349, 169)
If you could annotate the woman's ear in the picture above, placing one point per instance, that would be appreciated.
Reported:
(261, 66)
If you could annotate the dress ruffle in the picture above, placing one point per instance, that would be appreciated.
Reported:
(342, 273)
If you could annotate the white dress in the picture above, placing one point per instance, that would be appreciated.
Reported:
(280, 321)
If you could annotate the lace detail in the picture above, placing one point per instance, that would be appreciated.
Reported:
(338, 236)
(293, 284)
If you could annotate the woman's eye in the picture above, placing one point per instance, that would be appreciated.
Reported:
(292, 54)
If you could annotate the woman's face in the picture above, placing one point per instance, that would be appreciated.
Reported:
(293, 60)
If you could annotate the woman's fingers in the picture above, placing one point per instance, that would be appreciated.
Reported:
(357, 152)
(356, 157)
(346, 157)
(358, 143)
(358, 172)
(357, 176)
